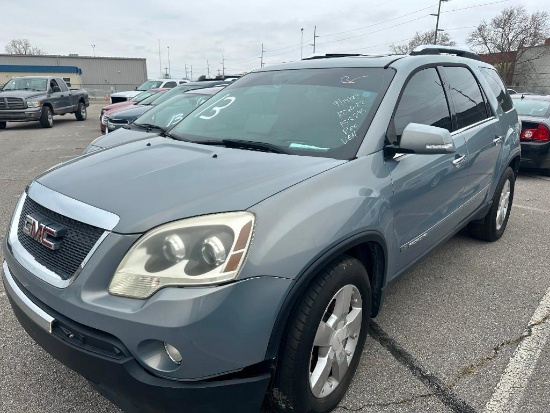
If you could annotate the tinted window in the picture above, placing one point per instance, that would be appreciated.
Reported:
(169, 84)
(423, 101)
(466, 95)
(496, 85)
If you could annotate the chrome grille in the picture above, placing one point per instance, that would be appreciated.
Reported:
(76, 244)
(12, 103)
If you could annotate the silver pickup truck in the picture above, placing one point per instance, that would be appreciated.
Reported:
(38, 98)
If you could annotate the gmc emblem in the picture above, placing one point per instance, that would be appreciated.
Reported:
(44, 231)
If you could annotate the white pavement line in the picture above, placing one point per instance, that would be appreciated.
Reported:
(531, 208)
(509, 391)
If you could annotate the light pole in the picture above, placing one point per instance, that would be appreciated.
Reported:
(437, 21)
(160, 61)
(302, 44)
(169, 70)
(93, 49)
(314, 37)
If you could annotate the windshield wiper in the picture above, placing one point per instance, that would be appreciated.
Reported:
(149, 126)
(243, 144)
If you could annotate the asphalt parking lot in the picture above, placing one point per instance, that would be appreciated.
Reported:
(464, 331)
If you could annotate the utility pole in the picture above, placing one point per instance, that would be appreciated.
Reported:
(302, 44)
(262, 57)
(166, 73)
(160, 61)
(186, 72)
(169, 69)
(223, 66)
(208, 69)
(93, 48)
(314, 37)
(437, 21)
(191, 78)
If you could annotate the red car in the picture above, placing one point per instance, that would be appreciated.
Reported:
(120, 105)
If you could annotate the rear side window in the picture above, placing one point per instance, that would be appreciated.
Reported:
(496, 85)
(466, 96)
(423, 101)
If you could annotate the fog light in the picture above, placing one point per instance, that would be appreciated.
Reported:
(173, 353)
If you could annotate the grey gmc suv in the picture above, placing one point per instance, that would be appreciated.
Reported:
(236, 260)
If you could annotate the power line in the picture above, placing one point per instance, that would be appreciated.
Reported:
(477, 5)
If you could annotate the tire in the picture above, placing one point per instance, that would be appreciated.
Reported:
(2, 125)
(494, 224)
(81, 113)
(308, 379)
(46, 119)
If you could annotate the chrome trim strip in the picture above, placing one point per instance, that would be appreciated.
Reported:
(23, 257)
(72, 208)
(35, 313)
(412, 242)
(473, 125)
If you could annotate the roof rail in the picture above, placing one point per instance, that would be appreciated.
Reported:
(331, 55)
(433, 49)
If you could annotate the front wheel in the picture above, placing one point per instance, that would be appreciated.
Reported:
(325, 340)
(81, 113)
(46, 119)
(493, 225)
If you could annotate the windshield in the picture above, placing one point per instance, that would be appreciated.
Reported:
(178, 90)
(27, 83)
(172, 111)
(532, 107)
(152, 98)
(150, 84)
(142, 96)
(313, 112)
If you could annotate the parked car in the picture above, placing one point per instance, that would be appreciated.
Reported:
(39, 98)
(150, 84)
(534, 113)
(155, 121)
(126, 104)
(246, 250)
(119, 118)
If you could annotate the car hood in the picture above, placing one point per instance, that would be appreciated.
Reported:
(117, 106)
(154, 181)
(127, 94)
(24, 94)
(130, 113)
(119, 136)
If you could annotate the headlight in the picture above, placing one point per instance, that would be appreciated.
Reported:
(33, 103)
(197, 251)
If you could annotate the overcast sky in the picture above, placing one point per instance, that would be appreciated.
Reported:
(194, 32)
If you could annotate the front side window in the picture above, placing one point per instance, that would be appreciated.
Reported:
(423, 101)
(466, 95)
(496, 85)
(312, 112)
(169, 84)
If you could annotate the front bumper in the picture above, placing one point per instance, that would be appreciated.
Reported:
(22, 115)
(116, 373)
(535, 155)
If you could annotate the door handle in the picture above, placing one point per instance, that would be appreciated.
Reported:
(497, 140)
(458, 161)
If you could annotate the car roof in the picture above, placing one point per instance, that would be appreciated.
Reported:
(205, 91)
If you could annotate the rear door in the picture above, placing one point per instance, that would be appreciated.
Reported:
(428, 189)
(475, 122)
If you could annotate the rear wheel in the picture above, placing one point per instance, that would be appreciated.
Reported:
(2, 125)
(325, 340)
(493, 225)
(81, 113)
(46, 119)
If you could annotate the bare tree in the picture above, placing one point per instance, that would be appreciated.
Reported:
(22, 46)
(506, 39)
(422, 38)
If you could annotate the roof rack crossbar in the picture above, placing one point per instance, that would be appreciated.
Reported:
(437, 49)
(332, 55)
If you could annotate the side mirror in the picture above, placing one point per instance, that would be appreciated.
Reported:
(136, 87)
(425, 139)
